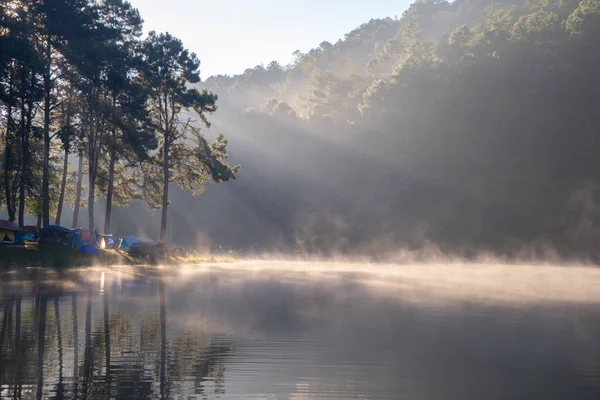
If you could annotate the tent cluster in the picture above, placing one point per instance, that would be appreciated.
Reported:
(83, 240)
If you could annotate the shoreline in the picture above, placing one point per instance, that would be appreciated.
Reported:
(65, 257)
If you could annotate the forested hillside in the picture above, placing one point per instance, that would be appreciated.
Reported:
(471, 126)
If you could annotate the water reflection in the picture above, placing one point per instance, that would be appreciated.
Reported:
(255, 333)
(125, 354)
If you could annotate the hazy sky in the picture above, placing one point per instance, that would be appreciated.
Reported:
(232, 35)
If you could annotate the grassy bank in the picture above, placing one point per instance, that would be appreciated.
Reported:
(64, 257)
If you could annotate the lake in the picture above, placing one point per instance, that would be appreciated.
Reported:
(301, 330)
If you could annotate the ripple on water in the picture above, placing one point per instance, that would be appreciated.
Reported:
(285, 330)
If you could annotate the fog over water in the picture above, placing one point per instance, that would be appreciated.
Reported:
(466, 126)
(416, 214)
(304, 330)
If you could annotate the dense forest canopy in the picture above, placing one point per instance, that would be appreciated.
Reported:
(467, 127)
(77, 81)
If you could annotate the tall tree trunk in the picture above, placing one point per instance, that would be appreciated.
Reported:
(111, 173)
(63, 186)
(22, 138)
(25, 156)
(8, 150)
(109, 192)
(94, 147)
(46, 180)
(165, 200)
(78, 190)
(46, 165)
(63, 183)
(91, 196)
(7, 186)
(41, 340)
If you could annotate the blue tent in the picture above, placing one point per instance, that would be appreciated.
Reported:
(56, 234)
(81, 236)
(51, 229)
(128, 242)
(89, 249)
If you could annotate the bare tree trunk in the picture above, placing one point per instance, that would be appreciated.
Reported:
(22, 137)
(94, 150)
(165, 200)
(10, 208)
(46, 165)
(25, 158)
(78, 190)
(63, 186)
(109, 192)
(8, 151)
(91, 196)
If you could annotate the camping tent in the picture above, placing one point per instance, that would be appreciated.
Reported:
(57, 235)
(31, 233)
(104, 240)
(88, 249)
(10, 233)
(81, 236)
(128, 242)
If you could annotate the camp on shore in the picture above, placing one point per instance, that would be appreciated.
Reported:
(81, 239)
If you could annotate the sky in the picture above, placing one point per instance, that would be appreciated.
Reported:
(231, 35)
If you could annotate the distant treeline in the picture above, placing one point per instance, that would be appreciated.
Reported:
(78, 82)
(469, 126)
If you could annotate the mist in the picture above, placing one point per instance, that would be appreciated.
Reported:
(441, 146)
(333, 330)
(463, 130)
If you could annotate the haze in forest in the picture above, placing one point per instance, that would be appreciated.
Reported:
(461, 128)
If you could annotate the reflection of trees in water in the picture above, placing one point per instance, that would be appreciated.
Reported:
(124, 357)
(75, 345)
(60, 390)
(41, 342)
(163, 340)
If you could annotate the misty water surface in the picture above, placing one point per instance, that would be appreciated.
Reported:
(275, 330)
